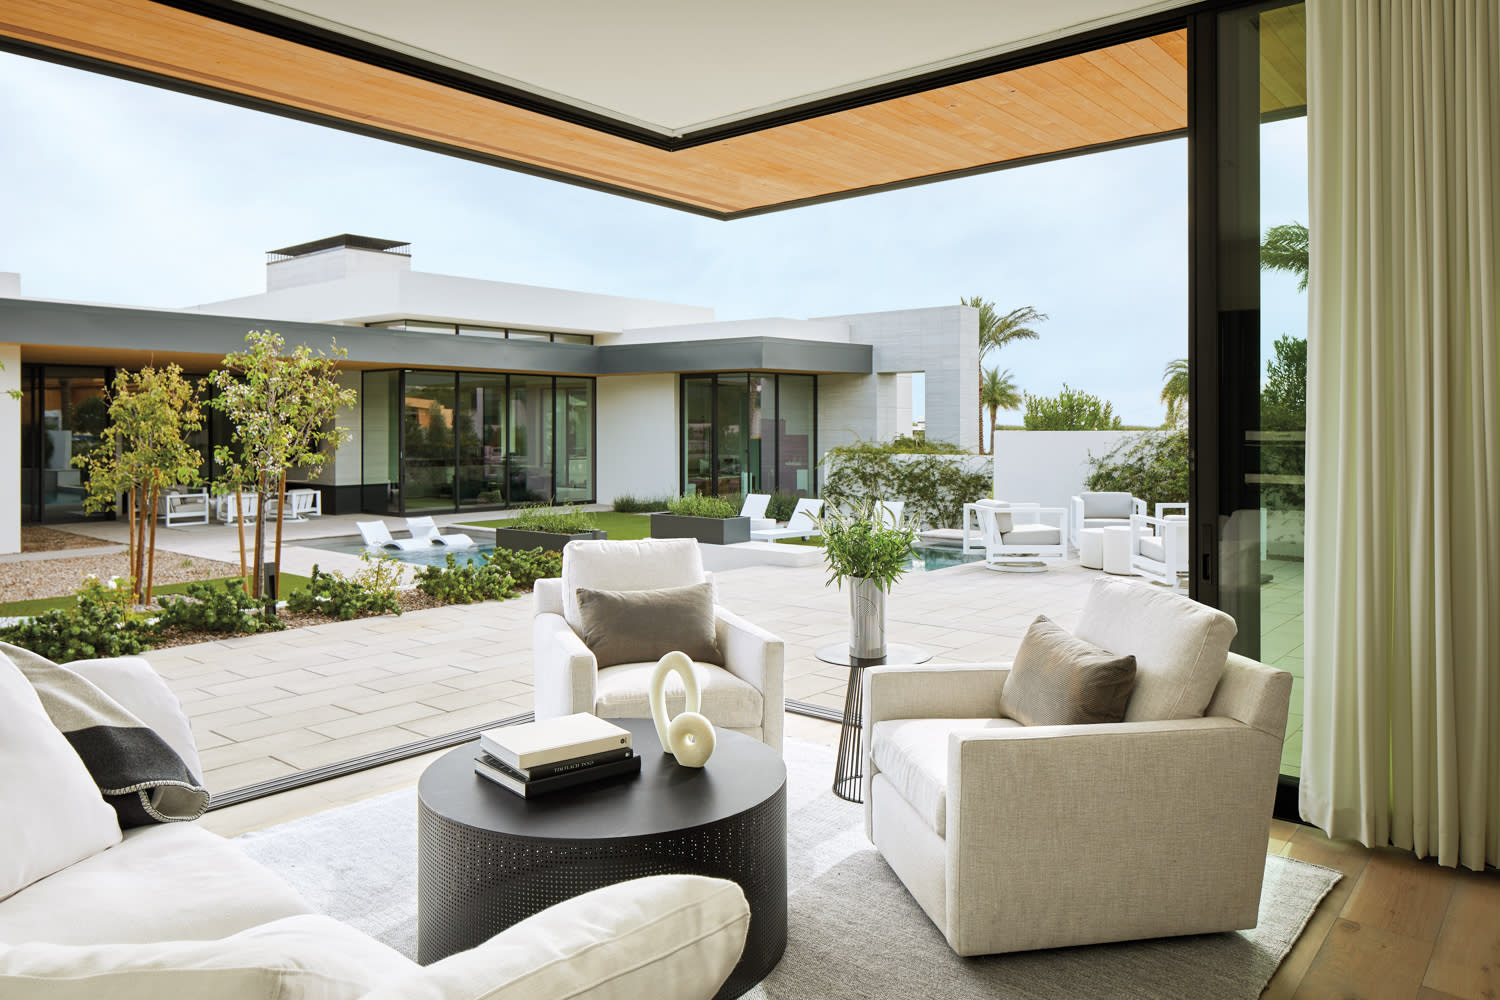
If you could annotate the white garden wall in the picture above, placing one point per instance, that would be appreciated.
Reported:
(1048, 467)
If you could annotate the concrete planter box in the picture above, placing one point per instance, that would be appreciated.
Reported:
(712, 530)
(520, 538)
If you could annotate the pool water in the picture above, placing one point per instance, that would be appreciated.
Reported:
(353, 545)
(931, 557)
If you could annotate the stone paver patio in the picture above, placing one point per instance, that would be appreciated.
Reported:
(270, 705)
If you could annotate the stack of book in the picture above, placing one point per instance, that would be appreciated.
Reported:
(539, 757)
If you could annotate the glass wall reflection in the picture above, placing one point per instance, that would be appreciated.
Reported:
(428, 429)
(481, 440)
(749, 433)
(531, 419)
(575, 439)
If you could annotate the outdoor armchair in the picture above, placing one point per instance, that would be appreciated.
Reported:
(1100, 510)
(185, 505)
(744, 694)
(1014, 837)
(1018, 537)
(1159, 547)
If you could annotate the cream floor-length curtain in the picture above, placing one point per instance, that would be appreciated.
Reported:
(1401, 741)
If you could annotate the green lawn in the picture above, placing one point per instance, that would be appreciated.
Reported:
(289, 583)
(623, 527)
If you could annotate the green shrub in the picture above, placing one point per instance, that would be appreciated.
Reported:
(909, 445)
(627, 504)
(781, 505)
(99, 623)
(1070, 410)
(935, 490)
(1152, 467)
(526, 567)
(453, 583)
(222, 608)
(701, 505)
(556, 520)
(369, 592)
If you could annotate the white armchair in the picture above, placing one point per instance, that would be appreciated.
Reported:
(745, 694)
(1016, 837)
(1159, 548)
(1100, 510)
(1018, 537)
(185, 505)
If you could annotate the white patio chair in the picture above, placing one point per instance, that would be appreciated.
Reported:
(1100, 510)
(227, 507)
(305, 504)
(1159, 549)
(426, 530)
(378, 536)
(754, 508)
(185, 505)
(1171, 510)
(1020, 537)
(802, 524)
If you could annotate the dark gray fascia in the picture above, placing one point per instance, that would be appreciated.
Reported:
(62, 324)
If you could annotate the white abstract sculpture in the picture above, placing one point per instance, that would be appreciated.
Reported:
(689, 737)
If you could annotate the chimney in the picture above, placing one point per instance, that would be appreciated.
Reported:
(333, 258)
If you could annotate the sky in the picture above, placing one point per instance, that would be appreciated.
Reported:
(120, 193)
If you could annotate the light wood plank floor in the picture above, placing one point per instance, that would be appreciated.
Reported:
(1395, 928)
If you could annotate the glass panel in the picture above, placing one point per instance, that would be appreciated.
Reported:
(422, 326)
(762, 450)
(575, 440)
(528, 335)
(572, 338)
(380, 442)
(795, 435)
(482, 331)
(31, 455)
(481, 440)
(697, 435)
(74, 416)
(732, 435)
(428, 413)
(530, 461)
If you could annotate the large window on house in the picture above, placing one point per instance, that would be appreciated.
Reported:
(748, 433)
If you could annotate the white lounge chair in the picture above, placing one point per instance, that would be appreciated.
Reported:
(227, 507)
(754, 508)
(185, 505)
(378, 536)
(1018, 537)
(802, 524)
(425, 529)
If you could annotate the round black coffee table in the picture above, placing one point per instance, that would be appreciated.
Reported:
(489, 858)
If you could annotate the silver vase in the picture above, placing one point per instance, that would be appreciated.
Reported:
(866, 619)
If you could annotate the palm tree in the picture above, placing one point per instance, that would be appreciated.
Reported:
(1285, 249)
(995, 331)
(998, 392)
(1174, 390)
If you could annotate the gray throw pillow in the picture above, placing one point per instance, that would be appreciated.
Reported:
(1058, 679)
(635, 626)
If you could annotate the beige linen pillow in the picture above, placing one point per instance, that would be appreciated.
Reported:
(1060, 680)
(636, 626)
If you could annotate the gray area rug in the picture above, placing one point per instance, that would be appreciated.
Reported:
(855, 932)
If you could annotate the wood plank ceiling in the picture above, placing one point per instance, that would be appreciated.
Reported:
(1123, 93)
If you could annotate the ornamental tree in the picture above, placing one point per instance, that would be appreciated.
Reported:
(144, 450)
(281, 407)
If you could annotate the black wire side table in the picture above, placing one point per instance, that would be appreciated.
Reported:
(489, 858)
(849, 770)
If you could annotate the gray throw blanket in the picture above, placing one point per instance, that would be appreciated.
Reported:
(136, 770)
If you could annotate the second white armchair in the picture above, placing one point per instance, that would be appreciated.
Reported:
(742, 692)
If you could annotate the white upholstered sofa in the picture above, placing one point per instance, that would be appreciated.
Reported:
(1016, 837)
(175, 911)
(745, 694)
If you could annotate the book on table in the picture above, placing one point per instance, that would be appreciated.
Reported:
(513, 780)
(548, 741)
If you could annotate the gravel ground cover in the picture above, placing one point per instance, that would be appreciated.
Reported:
(35, 538)
(61, 577)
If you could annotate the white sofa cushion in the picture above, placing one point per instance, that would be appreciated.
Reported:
(140, 690)
(1154, 547)
(622, 692)
(306, 957)
(1179, 646)
(1107, 505)
(647, 564)
(166, 882)
(913, 756)
(670, 937)
(53, 813)
(1033, 534)
(1106, 522)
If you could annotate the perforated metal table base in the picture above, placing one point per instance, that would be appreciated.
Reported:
(489, 858)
